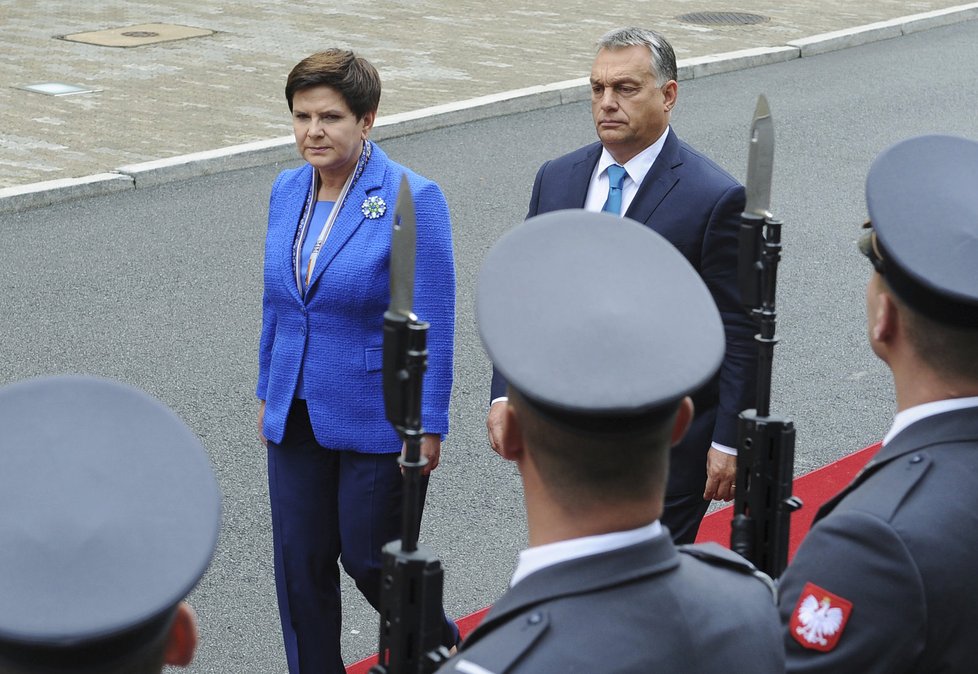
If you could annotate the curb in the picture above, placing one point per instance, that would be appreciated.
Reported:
(37, 195)
(261, 153)
(883, 30)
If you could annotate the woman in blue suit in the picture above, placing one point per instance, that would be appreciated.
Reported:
(334, 480)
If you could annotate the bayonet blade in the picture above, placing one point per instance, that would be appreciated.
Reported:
(403, 248)
(760, 160)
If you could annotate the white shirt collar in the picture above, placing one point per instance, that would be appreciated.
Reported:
(541, 556)
(914, 414)
(638, 166)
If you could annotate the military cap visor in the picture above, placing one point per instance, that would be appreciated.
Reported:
(109, 515)
(922, 197)
(596, 317)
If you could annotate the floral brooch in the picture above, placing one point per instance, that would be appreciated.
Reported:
(373, 207)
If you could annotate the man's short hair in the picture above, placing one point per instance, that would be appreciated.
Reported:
(584, 468)
(663, 63)
(950, 350)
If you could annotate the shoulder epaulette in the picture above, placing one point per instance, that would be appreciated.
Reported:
(717, 555)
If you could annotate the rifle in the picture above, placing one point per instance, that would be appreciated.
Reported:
(766, 444)
(411, 590)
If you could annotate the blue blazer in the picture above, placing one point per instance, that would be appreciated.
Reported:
(335, 331)
(696, 205)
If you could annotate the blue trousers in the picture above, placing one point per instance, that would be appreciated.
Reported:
(327, 506)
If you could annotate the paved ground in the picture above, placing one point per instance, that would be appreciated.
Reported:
(172, 98)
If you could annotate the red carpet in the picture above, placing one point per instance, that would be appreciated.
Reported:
(814, 489)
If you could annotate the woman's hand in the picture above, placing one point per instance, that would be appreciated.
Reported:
(430, 449)
(261, 423)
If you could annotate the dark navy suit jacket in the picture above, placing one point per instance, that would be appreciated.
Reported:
(696, 205)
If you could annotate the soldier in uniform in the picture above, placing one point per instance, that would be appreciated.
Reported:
(602, 329)
(109, 515)
(884, 581)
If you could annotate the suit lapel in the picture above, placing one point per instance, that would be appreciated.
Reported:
(288, 220)
(660, 179)
(578, 181)
(581, 576)
(351, 216)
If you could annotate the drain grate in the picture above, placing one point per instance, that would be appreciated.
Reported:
(136, 36)
(723, 18)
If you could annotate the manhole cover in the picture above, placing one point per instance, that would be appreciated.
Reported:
(723, 18)
(137, 36)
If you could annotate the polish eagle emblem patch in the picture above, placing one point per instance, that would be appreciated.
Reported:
(819, 618)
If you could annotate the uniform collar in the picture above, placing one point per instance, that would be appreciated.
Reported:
(542, 556)
(914, 414)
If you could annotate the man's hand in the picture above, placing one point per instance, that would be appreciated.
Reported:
(261, 423)
(430, 449)
(494, 424)
(721, 469)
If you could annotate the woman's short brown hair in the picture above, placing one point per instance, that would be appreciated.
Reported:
(352, 76)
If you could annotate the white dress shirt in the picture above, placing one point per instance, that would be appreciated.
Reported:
(636, 169)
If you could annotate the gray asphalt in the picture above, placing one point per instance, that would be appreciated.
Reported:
(160, 288)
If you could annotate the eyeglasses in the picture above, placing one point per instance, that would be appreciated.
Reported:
(869, 246)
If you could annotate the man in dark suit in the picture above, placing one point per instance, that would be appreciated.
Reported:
(569, 298)
(885, 579)
(692, 202)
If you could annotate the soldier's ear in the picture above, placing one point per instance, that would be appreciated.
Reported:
(883, 324)
(684, 416)
(511, 446)
(181, 642)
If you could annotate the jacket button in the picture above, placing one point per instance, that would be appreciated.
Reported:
(916, 458)
(534, 619)
(302, 330)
